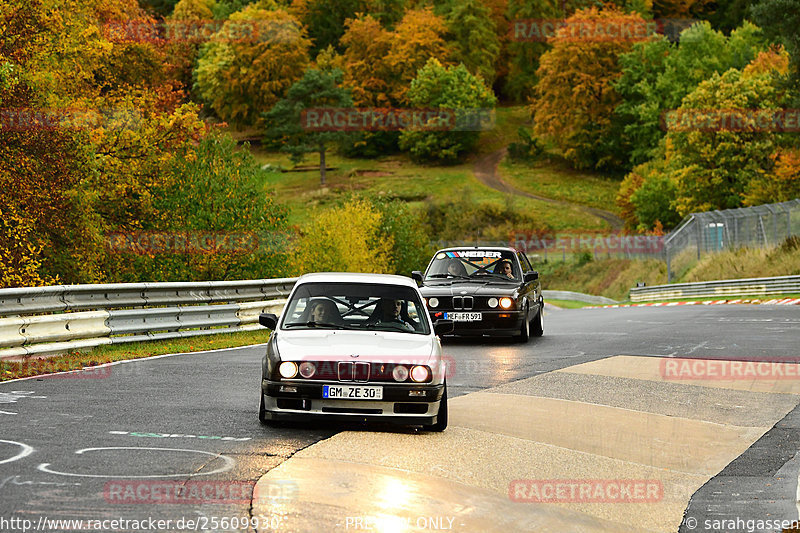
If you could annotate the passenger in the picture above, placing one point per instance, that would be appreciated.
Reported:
(324, 311)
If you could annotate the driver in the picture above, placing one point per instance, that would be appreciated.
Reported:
(390, 313)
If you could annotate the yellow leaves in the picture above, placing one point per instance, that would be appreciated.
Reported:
(773, 61)
(344, 239)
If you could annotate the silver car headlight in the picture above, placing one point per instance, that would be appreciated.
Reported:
(288, 369)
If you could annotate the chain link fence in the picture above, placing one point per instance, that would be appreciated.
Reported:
(759, 226)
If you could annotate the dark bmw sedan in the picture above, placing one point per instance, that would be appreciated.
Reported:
(484, 291)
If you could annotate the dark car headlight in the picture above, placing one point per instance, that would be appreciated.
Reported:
(492, 302)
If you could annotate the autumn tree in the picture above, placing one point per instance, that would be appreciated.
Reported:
(418, 37)
(657, 75)
(366, 44)
(472, 34)
(526, 44)
(241, 78)
(713, 166)
(207, 190)
(325, 19)
(780, 20)
(575, 97)
(285, 122)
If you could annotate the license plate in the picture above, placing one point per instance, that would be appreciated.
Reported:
(352, 392)
(463, 317)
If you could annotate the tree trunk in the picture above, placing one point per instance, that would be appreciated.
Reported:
(322, 164)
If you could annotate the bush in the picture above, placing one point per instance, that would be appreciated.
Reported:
(348, 238)
(438, 87)
(528, 149)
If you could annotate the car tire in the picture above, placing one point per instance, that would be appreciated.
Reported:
(524, 330)
(441, 416)
(537, 330)
(262, 411)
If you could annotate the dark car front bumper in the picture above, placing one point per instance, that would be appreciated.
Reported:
(501, 323)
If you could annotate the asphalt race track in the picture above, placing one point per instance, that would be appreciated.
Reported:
(593, 401)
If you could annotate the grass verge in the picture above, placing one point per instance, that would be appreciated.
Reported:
(567, 304)
(118, 352)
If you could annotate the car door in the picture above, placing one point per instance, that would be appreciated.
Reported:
(531, 289)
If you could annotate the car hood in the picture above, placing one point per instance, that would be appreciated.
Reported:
(376, 346)
(473, 288)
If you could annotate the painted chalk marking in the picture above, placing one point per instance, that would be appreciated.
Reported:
(229, 464)
(178, 436)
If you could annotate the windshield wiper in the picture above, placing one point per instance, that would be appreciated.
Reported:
(442, 276)
(499, 276)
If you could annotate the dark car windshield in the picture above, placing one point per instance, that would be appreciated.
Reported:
(473, 264)
(356, 306)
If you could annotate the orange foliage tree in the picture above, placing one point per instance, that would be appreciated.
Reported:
(575, 97)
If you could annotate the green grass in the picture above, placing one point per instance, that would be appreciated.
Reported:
(760, 297)
(554, 179)
(398, 177)
(568, 304)
(118, 352)
(613, 278)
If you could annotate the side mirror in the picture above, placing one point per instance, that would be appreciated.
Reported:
(268, 320)
(417, 276)
(531, 276)
(443, 326)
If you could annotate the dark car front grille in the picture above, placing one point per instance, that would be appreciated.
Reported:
(463, 302)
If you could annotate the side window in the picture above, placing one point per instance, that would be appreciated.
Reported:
(526, 266)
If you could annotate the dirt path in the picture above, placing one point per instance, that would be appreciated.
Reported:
(485, 170)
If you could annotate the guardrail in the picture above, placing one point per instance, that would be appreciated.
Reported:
(714, 289)
(85, 316)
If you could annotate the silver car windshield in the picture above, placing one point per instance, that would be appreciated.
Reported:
(356, 306)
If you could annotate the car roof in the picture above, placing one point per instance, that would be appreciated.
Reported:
(501, 248)
(356, 277)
